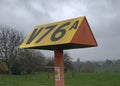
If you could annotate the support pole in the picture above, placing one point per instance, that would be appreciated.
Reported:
(59, 67)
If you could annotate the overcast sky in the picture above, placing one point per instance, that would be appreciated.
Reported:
(103, 17)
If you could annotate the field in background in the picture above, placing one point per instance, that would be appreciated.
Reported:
(76, 79)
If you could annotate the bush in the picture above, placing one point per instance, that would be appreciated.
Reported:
(3, 68)
(16, 70)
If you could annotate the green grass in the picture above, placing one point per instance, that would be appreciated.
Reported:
(93, 79)
(79, 79)
(29, 80)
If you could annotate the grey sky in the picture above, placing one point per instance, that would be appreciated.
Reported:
(103, 17)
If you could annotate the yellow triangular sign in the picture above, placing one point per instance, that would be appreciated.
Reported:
(67, 34)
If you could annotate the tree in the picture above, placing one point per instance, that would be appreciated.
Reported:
(10, 39)
(77, 65)
(50, 62)
(3, 68)
(28, 61)
(67, 62)
(108, 63)
(88, 67)
(50, 65)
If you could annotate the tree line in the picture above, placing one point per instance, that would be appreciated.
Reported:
(107, 66)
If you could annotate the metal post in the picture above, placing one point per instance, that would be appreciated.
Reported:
(59, 67)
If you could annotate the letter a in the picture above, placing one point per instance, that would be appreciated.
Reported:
(74, 25)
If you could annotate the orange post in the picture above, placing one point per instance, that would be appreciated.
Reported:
(59, 67)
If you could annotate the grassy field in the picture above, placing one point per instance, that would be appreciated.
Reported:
(79, 79)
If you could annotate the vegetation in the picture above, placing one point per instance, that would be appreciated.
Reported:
(107, 66)
(40, 79)
(9, 41)
(80, 79)
(27, 62)
(93, 79)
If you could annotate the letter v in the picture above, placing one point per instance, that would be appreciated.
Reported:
(34, 34)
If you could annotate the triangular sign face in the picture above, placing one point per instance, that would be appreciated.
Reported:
(67, 34)
(84, 35)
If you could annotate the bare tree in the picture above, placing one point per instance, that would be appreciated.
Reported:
(9, 42)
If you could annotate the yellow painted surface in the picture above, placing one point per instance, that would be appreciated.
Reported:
(65, 37)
